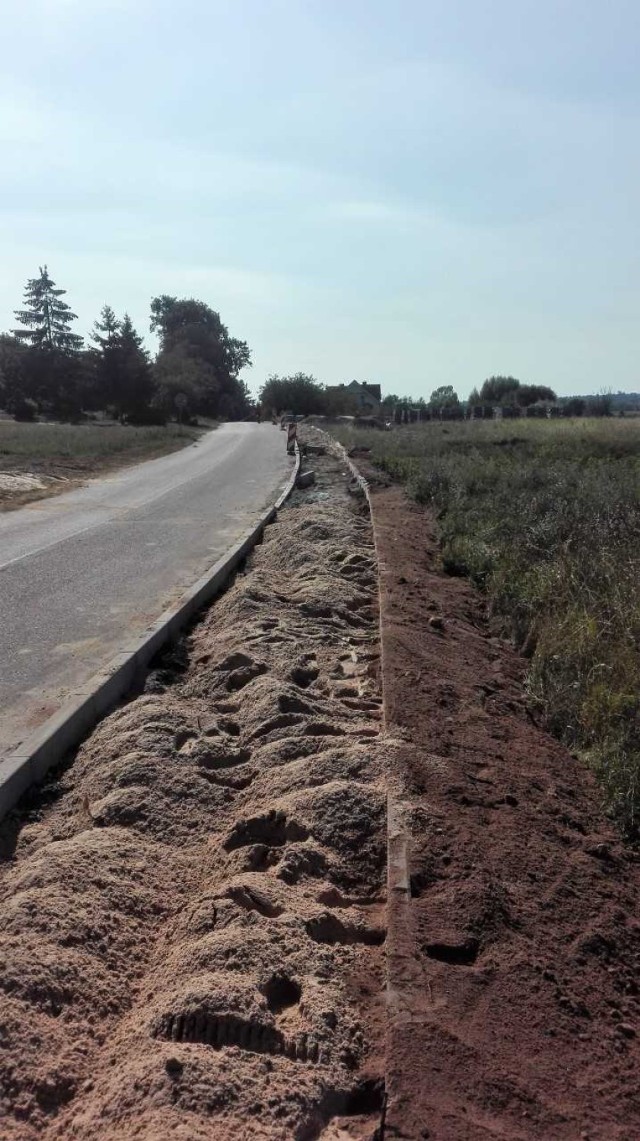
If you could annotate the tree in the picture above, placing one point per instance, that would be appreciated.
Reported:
(444, 403)
(123, 375)
(14, 393)
(176, 373)
(106, 330)
(47, 318)
(51, 367)
(499, 390)
(508, 390)
(301, 394)
(134, 374)
(599, 405)
(443, 397)
(574, 406)
(532, 393)
(196, 331)
(105, 335)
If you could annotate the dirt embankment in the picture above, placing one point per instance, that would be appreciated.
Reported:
(192, 921)
(513, 966)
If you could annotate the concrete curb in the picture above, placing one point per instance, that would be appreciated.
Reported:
(400, 942)
(28, 764)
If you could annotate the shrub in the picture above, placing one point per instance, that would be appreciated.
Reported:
(24, 409)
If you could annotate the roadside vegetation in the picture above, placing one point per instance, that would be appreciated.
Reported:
(54, 457)
(498, 396)
(28, 446)
(47, 371)
(544, 516)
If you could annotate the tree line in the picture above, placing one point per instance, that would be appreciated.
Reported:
(46, 368)
(304, 395)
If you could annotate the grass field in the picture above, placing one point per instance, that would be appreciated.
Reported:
(85, 441)
(65, 453)
(545, 517)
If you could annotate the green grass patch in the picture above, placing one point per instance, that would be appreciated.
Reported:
(36, 442)
(545, 517)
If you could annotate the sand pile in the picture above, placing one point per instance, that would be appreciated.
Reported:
(192, 925)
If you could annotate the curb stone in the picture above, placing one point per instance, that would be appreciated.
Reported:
(400, 942)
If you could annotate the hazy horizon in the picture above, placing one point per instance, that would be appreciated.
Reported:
(415, 197)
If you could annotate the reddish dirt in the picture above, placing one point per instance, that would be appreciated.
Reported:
(513, 961)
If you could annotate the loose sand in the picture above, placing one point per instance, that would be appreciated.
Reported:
(192, 924)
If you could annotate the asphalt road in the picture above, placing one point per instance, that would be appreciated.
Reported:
(82, 572)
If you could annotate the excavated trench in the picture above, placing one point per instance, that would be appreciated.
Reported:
(193, 911)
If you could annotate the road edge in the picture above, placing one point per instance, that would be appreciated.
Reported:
(30, 761)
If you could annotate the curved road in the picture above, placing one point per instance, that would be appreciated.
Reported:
(84, 571)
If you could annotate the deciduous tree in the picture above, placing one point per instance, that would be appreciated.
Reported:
(196, 331)
(508, 390)
(301, 394)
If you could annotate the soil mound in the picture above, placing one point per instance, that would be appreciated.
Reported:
(192, 924)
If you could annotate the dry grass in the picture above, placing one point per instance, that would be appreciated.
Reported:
(545, 517)
(36, 442)
(63, 454)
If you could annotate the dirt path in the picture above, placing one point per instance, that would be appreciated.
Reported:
(513, 962)
(191, 933)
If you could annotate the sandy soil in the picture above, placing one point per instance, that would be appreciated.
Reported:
(19, 488)
(513, 964)
(192, 919)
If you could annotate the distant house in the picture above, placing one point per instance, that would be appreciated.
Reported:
(365, 399)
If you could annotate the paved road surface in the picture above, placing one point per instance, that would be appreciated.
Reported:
(82, 572)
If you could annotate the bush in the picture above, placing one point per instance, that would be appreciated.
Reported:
(148, 417)
(24, 409)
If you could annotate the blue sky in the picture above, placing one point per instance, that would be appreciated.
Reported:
(414, 194)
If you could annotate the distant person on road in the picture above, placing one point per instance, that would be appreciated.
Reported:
(258, 413)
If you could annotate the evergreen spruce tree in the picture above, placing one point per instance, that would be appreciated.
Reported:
(47, 318)
(51, 366)
(106, 358)
(136, 376)
(124, 377)
(106, 330)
